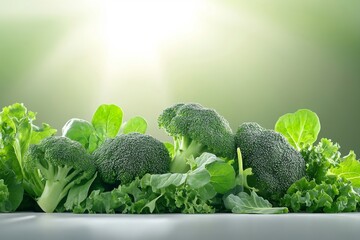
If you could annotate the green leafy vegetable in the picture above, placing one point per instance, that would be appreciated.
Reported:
(170, 148)
(11, 189)
(81, 170)
(191, 192)
(135, 124)
(4, 192)
(245, 203)
(17, 133)
(334, 194)
(107, 120)
(78, 193)
(300, 128)
(320, 158)
(222, 176)
(83, 132)
(106, 123)
(140, 197)
(348, 168)
(159, 181)
(4, 197)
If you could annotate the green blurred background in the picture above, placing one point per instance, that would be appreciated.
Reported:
(250, 60)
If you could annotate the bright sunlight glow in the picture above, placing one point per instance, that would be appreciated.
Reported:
(135, 32)
(137, 29)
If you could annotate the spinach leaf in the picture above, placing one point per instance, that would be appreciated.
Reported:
(300, 128)
(106, 123)
(135, 124)
(107, 120)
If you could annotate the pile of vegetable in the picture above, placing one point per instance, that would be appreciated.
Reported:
(107, 165)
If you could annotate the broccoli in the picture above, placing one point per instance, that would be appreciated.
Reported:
(54, 166)
(196, 129)
(275, 163)
(4, 196)
(127, 156)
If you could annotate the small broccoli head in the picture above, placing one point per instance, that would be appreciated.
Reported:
(127, 156)
(60, 152)
(195, 130)
(4, 195)
(54, 166)
(275, 163)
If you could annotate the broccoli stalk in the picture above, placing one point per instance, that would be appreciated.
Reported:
(59, 182)
(54, 167)
(196, 129)
(185, 148)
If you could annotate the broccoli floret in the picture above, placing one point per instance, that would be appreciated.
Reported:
(196, 129)
(55, 165)
(127, 156)
(4, 196)
(275, 163)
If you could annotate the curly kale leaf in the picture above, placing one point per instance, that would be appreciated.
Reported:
(332, 195)
(320, 158)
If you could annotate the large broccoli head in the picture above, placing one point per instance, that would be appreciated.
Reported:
(275, 163)
(53, 167)
(127, 156)
(196, 129)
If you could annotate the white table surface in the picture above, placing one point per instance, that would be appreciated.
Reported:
(29, 226)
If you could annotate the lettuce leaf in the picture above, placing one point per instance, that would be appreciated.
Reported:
(300, 128)
(17, 133)
(11, 189)
(348, 168)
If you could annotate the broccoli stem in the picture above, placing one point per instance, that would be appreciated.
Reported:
(51, 195)
(56, 187)
(186, 149)
(241, 170)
